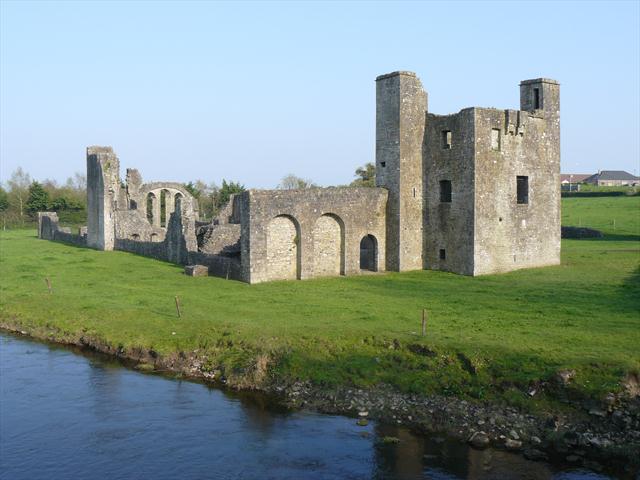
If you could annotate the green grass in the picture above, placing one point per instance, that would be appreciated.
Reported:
(617, 217)
(487, 337)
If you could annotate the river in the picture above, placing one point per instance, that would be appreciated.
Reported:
(67, 414)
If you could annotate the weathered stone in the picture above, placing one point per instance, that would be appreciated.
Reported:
(474, 193)
(196, 270)
(513, 445)
(479, 440)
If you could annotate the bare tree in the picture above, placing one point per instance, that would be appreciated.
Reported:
(18, 189)
(292, 182)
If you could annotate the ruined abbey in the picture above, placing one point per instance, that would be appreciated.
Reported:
(475, 192)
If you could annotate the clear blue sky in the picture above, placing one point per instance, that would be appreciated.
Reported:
(253, 91)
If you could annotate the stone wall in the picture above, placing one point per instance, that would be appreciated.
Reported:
(510, 235)
(448, 197)
(103, 193)
(221, 239)
(288, 234)
(135, 216)
(449, 225)
(401, 105)
(49, 229)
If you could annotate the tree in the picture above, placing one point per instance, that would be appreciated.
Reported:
(18, 185)
(191, 188)
(292, 182)
(224, 193)
(367, 176)
(4, 200)
(38, 199)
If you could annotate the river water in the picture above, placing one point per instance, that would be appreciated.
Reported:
(68, 414)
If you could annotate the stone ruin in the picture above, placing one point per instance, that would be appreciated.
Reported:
(475, 192)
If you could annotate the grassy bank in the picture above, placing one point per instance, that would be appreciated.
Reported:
(488, 337)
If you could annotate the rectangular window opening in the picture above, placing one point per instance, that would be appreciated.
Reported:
(443, 254)
(383, 164)
(536, 98)
(495, 139)
(445, 191)
(446, 139)
(522, 184)
(414, 192)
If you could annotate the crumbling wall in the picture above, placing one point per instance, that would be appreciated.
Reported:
(221, 239)
(283, 234)
(103, 195)
(49, 229)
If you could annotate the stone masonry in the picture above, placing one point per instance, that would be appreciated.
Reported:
(475, 192)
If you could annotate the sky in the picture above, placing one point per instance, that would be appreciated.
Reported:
(251, 92)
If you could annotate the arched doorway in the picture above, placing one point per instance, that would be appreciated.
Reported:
(283, 249)
(328, 246)
(369, 253)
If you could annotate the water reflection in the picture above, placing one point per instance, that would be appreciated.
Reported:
(64, 415)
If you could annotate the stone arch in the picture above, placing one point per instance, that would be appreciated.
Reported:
(152, 207)
(166, 207)
(154, 237)
(135, 237)
(179, 201)
(328, 246)
(369, 253)
(283, 248)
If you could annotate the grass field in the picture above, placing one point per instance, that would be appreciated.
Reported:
(487, 337)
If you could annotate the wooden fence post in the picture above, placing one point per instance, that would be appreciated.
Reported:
(424, 322)
(49, 284)
(178, 307)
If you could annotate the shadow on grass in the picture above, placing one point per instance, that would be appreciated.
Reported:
(616, 237)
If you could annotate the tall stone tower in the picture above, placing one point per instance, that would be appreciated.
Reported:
(401, 105)
(103, 189)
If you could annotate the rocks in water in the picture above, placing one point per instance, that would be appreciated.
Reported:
(479, 440)
(363, 422)
(597, 412)
(513, 445)
(363, 414)
(145, 367)
(570, 438)
(535, 454)
(392, 440)
(514, 435)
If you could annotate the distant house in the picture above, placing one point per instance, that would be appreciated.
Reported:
(567, 178)
(612, 178)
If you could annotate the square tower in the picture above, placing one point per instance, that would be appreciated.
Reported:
(103, 188)
(401, 105)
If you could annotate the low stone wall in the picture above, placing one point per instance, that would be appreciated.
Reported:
(71, 238)
(157, 250)
(49, 229)
(219, 265)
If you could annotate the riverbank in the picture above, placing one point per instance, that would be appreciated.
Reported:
(551, 342)
(600, 440)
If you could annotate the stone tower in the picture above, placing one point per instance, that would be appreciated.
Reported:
(401, 105)
(103, 190)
